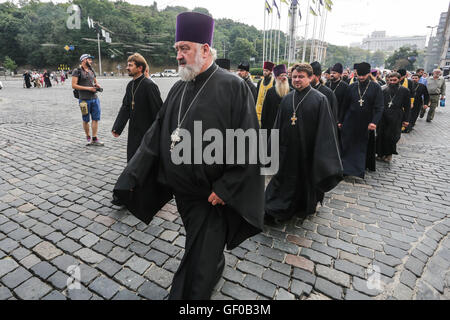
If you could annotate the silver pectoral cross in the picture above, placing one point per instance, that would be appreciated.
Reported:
(390, 104)
(175, 138)
(361, 102)
(294, 119)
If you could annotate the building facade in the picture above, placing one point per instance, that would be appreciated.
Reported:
(438, 51)
(379, 41)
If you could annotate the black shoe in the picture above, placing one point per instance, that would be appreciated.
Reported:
(428, 120)
(115, 201)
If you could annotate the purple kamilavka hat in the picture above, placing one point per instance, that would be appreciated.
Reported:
(279, 69)
(195, 27)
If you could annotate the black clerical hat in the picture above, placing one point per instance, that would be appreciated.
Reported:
(402, 72)
(244, 66)
(363, 68)
(338, 67)
(317, 68)
(355, 66)
(328, 71)
(224, 63)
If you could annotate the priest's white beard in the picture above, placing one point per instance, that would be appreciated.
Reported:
(190, 71)
(282, 87)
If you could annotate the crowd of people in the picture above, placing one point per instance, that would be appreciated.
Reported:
(43, 79)
(328, 125)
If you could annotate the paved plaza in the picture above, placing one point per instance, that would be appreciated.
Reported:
(385, 237)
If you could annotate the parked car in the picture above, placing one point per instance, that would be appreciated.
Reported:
(170, 73)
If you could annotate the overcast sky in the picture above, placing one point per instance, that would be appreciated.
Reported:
(350, 21)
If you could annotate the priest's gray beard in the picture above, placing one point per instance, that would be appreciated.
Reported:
(282, 87)
(190, 71)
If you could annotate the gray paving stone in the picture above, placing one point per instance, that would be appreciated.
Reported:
(5, 293)
(69, 245)
(104, 287)
(87, 273)
(354, 295)
(328, 288)
(161, 277)
(142, 237)
(138, 265)
(251, 268)
(281, 268)
(316, 256)
(30, 261)
(55, 295)
(125, 294)
(349, 268)
(8, 245)
(389, 260)
(304, 276)
(238, 292)
(165, 247)
(368, 243)
(415, 266)
(20, 253)
(157, 257)
(342, 245)
(43, 270)
(151, 291)
(258, 259)
(363, 287)
(334, 276)
(32, 289)
(7, 265)
(408, 279)
(120, 255)
(300, 288)
(271, 253)
(16, 277)
(325, 249)
(276, 278)
(282, 294)
(89, 240)
(82, 294)
(129, 279)
(402, 292)
(89, 255)
(109, 267)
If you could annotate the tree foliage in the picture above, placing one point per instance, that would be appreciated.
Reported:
(34, 33)
(9, 64)
(402, 58)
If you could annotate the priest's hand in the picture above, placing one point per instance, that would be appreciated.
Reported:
(372, 127)
(215, 200)
(115, 134)
(405, 124)
(425, 107)
(340, 125)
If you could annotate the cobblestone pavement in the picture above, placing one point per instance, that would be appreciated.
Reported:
(55, 213)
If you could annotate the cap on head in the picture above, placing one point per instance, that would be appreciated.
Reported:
(195, 27)
(280, 69)
(224, 63)
(317, 68)
(268, 65)
(338, 67)
(363, 69)
(244, 66)
(86, 56)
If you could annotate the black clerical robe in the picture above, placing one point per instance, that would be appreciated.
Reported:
(339, 88)
(358, 143)
(331, 97)
(421, 98)
(310, 163)
(27, 78)
(148, 102)
(47, 81)
(270, 109)
(252, 88)
(397, 106)
(225, 103)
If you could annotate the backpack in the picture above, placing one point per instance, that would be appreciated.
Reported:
(76, 93)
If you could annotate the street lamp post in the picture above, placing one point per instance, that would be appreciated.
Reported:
(431, 34)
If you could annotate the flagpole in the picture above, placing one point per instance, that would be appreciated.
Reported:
(286, 40)
(323, 35)
(313, 40)
(306, 32)
(279, 34)
(264, 34)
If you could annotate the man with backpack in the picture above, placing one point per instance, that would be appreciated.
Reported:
(85, 85)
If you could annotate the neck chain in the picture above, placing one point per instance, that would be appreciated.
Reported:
(175, 137)
(337, 86)
(392, 100)
(361, 100)
(294, 108)
(133, 92)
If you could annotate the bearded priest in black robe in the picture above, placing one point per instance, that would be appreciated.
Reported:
(338, 86)
(316, 83)
(397, 106)
(243, 71)
(140, 105)
(274, 97)
(220, 203)
(310, 164)
(362, 110)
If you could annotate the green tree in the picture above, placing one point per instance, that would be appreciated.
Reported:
(242, 50)
(378, 59)
(9, 64)
(401, 59)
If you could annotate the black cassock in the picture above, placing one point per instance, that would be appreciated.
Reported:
(47, 81)
(331, 97)
(358, 143)
(252, 88)
(397, 106)
(421, 98)
(270, 109)
(147, 105)
(339, 88)
(225, 103)
(27, 78)
(310, 164)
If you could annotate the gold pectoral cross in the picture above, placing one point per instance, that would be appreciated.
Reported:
(361, 102)
(294, 119)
